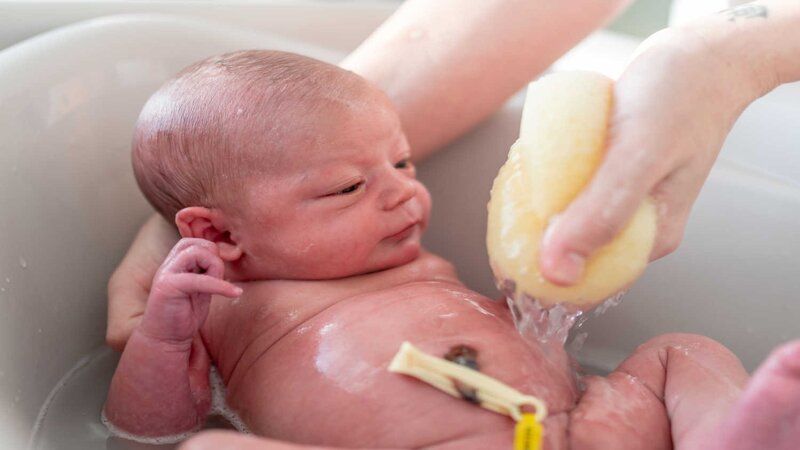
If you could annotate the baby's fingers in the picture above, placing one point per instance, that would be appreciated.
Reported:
(191, 255)
(185, 284)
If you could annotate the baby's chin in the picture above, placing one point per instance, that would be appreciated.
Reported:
(398, 255)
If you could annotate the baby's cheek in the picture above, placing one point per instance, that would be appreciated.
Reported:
(355, 241)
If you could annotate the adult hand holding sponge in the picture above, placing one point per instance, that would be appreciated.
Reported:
(561, 144)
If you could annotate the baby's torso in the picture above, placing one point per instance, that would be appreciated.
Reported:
(307, 361)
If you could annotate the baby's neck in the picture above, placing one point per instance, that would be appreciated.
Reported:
(425, 265)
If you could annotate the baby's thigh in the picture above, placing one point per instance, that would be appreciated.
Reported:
(618, 412)
(681, 361)
(679, 384)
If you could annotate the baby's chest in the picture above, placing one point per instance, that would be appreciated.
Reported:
(342, 354)
(360, 335)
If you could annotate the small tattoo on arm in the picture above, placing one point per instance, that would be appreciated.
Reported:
(747, 11)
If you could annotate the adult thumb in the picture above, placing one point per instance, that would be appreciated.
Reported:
(597, 215)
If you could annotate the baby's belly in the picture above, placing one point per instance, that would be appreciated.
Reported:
(326, 381)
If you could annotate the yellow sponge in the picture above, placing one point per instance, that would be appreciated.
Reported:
(561, 144)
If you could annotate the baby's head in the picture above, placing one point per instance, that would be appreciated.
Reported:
(297, 169)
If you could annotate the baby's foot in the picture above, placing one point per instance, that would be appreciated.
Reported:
(767, 416)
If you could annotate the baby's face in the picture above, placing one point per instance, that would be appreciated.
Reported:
(343, 200)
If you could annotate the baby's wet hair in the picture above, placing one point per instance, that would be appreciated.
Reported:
(220, 120)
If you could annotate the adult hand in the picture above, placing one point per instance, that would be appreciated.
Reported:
(129, 286)
(672, 109)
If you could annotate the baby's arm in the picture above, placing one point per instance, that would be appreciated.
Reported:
(129, 286)
(160, 387)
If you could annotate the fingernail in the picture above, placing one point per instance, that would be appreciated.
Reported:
(238, 291)
(570, 269)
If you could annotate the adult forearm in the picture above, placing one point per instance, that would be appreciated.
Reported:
(759, 41)
(448, 64)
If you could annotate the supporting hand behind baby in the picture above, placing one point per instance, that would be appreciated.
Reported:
(182, 290)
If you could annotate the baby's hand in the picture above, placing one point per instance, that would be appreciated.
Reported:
(182, 290)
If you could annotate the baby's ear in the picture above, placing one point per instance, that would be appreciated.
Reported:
(204, 223)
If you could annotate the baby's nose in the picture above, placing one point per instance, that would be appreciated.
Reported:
(400, 190)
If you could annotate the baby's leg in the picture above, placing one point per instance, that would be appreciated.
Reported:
(674, 389)
(768, 413)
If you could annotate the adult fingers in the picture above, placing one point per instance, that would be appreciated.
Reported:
(634, 162)
(675, 195)
(591, 221)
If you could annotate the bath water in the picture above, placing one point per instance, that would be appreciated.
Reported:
(70, 419)
(551, 325)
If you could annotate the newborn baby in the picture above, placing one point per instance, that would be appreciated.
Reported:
(291, 179)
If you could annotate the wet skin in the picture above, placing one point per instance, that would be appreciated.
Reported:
(333, 340)
(306, 362)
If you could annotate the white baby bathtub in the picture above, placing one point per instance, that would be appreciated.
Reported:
(68, 101)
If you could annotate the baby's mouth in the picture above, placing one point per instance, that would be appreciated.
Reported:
(404, 233)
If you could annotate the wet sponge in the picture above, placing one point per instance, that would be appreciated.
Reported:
(561, 144)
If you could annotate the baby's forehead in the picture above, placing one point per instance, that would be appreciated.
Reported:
(324, 124)
(302, 124)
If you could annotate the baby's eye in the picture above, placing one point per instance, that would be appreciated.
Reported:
(349, 189)
(403, 164)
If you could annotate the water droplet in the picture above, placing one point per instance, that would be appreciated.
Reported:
(14, 169)
(544, 325)
(2, 289)
(539, 324)
(23, 263)
(39, 330)
(609, 303)
(8, 280)
(577, 342)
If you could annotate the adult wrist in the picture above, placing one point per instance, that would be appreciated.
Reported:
(727, 63)
(697, 62)
(751, 42)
